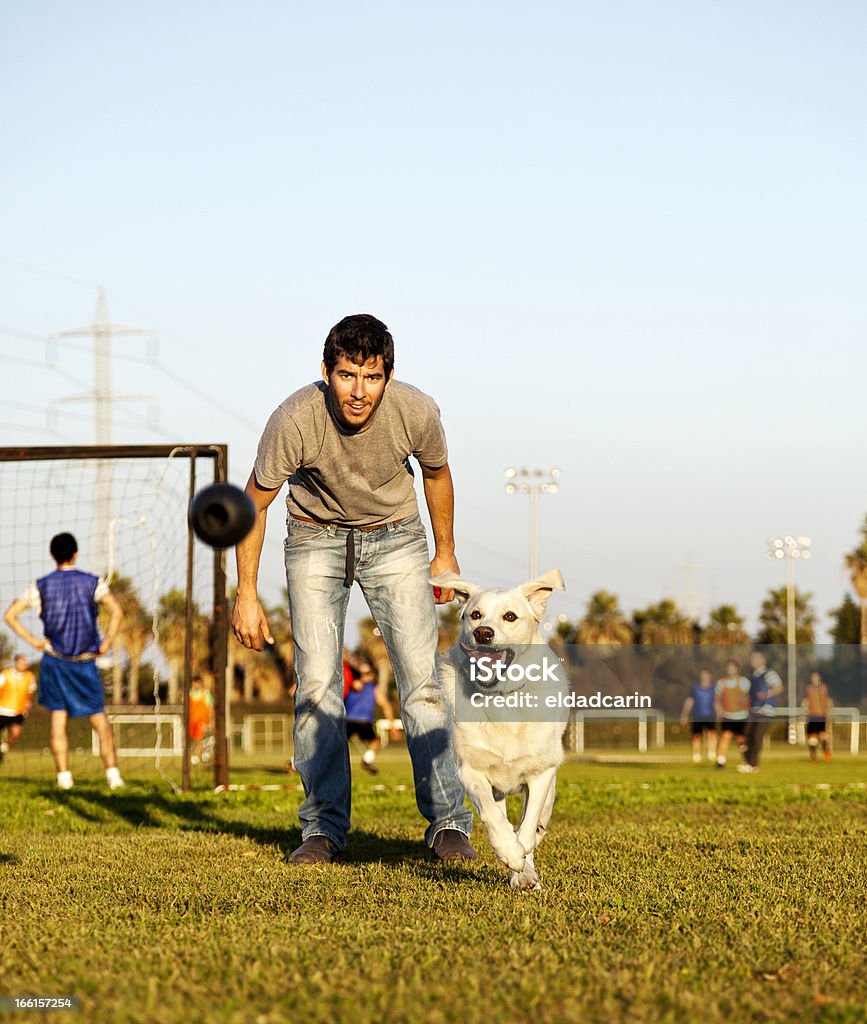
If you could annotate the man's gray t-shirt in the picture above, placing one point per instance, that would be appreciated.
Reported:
(362, 479)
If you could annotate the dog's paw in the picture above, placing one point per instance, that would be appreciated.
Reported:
(526, 880)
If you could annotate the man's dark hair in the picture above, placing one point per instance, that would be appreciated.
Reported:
(359, 337)
(63, 547)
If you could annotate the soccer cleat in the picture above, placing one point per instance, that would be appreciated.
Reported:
(827, 755)
(370, 766)
(112, 777)
(747, 769)
(64, 780)
(696, 758)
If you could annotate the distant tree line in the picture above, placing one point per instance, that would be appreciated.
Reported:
(268, 676)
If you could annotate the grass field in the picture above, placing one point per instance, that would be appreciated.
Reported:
(671, 893)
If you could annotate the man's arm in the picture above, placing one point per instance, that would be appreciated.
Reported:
(439, 494)
(11, 619)
(687, 707)
(775, 684)
(115, 617)
(249, 623)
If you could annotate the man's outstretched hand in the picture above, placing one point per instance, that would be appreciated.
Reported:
(250, 625)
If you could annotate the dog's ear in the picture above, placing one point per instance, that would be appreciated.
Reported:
(538, 591)
(451, 581)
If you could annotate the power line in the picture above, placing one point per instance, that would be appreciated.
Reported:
(255, 427)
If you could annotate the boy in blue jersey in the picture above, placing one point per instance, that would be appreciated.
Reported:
(699, 709)
(360, 713)
(67, 600)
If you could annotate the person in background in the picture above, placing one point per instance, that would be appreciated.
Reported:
(17, 687)
(201, 718)
(67, 600)
(732, 708)
(765, 687)
(699, 709)
(360, 715)
(817, 704)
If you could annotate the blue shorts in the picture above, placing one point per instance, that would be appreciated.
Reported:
(71, 686)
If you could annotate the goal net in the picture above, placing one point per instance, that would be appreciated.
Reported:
(127, 508)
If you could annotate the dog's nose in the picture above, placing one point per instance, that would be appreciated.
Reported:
(483, 635)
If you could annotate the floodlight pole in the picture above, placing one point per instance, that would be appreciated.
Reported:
(790, 549)
(531, 482)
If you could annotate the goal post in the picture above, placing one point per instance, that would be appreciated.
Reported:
(127, 506)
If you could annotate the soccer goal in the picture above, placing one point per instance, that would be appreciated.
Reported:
(127, 507)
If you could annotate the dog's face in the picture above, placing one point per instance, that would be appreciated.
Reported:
(498, 625)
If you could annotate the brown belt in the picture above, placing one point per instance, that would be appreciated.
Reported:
(343, 526)
(349, 572)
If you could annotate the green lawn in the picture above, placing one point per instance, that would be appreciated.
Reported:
(671, 893)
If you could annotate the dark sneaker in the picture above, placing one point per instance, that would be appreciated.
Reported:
(451, 846)
(315, 850)
(370, 766)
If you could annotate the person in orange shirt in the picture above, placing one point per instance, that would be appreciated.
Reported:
(201, 717)
(732, 708)
(817, 703)
(17, 686)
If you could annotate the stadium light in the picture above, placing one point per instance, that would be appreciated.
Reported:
(790, 548)
(533, 482)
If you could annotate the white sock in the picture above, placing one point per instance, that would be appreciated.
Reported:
(720, 760)
(4, 747)
(64, 780)
(369, 757)
(113, 776)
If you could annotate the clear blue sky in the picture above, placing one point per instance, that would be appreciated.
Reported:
(625, 239)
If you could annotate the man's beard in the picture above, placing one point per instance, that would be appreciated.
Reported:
(350, 426)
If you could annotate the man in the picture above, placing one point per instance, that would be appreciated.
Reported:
(17, 686)
(344, 444)
(765, 687)
(67, 601)
(732, 707)
(817, 704)
(699, 709)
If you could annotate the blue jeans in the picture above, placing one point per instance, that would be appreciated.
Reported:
(392, 567)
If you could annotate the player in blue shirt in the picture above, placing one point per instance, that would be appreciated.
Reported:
(698, 708)
(67, 600)
(360, 713)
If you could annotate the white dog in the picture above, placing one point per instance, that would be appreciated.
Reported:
(499, 681)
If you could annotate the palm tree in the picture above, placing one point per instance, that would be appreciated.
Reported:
(725, 626)
(604, 622)
(135, 633)
(856, 563)
(267, 674)
(663, 623)
(171, 627)
(847, 622)
(774, 621)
